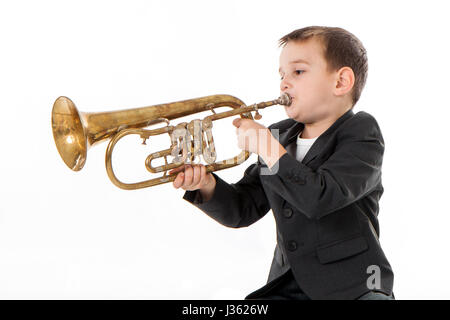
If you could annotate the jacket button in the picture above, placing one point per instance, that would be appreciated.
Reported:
(292, 245)
(287, 212)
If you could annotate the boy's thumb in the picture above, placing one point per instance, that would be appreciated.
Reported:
(237, 122)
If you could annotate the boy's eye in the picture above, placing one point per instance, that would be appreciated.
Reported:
(297, 72)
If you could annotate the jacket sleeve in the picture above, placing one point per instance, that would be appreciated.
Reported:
(234, 205)
(350, 173)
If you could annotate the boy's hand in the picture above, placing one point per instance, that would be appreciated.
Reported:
(192, 177)
(251, 135)
(256, 138)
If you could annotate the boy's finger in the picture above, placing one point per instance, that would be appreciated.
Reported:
(188, 173)
(178, 182)
(178, 169)
(196, 175)
(237, 122)
(202, 174)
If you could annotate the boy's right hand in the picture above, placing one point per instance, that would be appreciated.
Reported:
(193, 177)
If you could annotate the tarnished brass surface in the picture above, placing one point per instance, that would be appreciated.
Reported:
(74, 132)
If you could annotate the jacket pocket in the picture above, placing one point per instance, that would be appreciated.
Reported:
(341, 250)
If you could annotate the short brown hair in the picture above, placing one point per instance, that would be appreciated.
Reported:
(341, 48)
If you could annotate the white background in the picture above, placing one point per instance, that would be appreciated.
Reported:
(75, 235)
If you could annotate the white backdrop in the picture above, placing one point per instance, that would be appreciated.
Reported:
(75, 235)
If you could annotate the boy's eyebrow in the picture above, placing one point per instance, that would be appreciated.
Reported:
(300, 61)
(296, 61)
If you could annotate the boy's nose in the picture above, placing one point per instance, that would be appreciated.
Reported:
(284, 85)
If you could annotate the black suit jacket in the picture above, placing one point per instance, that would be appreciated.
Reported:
(325, 208)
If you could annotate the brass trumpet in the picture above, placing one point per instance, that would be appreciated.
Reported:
(74, 132)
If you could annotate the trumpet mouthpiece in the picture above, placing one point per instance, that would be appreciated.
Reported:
(285, 99)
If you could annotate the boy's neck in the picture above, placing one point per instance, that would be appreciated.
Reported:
(315, 129)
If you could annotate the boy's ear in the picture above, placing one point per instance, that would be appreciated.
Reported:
(345, 79)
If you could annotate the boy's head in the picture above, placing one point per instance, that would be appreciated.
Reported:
(324, 70)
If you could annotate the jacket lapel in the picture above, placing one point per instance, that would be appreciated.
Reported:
(290, 136)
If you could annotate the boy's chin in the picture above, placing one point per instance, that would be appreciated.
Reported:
(292, 112)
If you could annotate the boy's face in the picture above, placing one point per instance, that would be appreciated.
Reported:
(308, 82)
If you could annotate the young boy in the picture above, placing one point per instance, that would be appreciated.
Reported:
(324, 180)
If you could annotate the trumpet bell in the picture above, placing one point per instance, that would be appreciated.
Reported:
(68, 132)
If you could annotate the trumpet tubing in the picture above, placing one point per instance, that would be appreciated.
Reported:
(75, 132)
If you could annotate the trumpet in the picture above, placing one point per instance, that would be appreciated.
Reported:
(75, 132)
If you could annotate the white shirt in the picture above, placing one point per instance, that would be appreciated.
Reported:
(303, 145)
